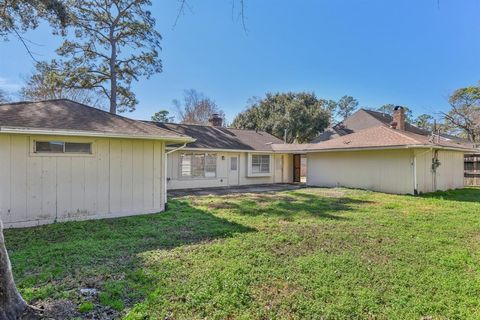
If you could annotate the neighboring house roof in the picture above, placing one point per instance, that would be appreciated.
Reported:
(384, 137)
(363, 119)
(67, 117)
(221, 138)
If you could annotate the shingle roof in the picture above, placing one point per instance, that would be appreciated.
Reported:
(363, 119)
(69, 116)
(208, 137)
(384, 137)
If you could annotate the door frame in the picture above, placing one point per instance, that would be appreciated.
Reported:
(230, 156)
(297, 168)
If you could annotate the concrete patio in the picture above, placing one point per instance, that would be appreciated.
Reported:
(260, 188)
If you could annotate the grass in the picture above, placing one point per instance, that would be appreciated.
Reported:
(305, 254)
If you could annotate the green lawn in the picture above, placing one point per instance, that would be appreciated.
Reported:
(305, 254)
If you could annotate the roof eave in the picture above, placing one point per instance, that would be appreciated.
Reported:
(397, 147)
(102, 134)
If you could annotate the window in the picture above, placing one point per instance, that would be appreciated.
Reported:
(233, 163)
(62, 147)
(260, 163)
(198, 165)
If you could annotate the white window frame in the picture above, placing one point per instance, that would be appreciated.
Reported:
(260, 174)
(34, 140)
(205, 165)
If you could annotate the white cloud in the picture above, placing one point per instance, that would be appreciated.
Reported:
(9, 86)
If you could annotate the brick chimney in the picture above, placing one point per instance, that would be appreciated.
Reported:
(215, 120)
(398, 118)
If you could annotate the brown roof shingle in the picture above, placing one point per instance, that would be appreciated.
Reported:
(209, 137)
(384, 137)
(66, 115)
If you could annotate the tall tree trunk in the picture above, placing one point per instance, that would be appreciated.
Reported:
(113, 74)
(12, 304)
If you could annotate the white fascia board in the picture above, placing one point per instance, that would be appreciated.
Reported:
(419, 146)
(80, 133)
(237, 150)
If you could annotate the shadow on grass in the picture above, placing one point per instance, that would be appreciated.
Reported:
(464, 195)
(88, 253)
(288, 206)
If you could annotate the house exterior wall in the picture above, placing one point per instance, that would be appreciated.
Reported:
(390, 171)
(449, 174)
(121, 177)
(281, 171)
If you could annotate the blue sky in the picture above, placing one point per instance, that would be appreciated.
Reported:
(407, 52)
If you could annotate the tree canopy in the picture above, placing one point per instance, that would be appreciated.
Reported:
(464, 116)
(162, 116)
(114, 43)
(298, 116)
(196, 108)
(424, 121)
(346, 106)
(48, 83)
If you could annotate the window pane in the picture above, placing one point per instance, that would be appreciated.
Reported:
(186, 165)
(74, 147)
(260, 164)
(51, 146)
(233, 164)
(211, 165)
(198, 165)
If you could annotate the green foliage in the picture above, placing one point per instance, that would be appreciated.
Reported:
(346, 106)
(113, 43)
(48, 82)
(424, 121)
(302, 115)
(85, 307)
(305, 254)
(162, 116)
(112, 294)
(18, 16)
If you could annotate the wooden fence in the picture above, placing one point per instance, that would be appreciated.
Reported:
(472, 170)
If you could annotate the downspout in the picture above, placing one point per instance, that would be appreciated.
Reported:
(166, 171)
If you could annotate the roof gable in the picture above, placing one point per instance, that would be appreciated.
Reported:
(363, 119)
(384, 137)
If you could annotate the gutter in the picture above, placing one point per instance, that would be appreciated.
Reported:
(400, 147)
(101, 134)
(176, 149)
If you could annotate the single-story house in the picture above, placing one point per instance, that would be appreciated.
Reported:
(61, 160)
(387, 159)
(364, 119)
(226, 157)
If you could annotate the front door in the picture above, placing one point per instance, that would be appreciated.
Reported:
(233, 170)
(297, 167)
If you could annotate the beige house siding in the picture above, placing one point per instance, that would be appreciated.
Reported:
(122, 177)
(281, 171)
(390, 171)
(449, 174)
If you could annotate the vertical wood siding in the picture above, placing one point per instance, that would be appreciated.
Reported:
(122, 177)
(389, 171)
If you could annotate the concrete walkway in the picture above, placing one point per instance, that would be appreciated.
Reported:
(259, 188)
